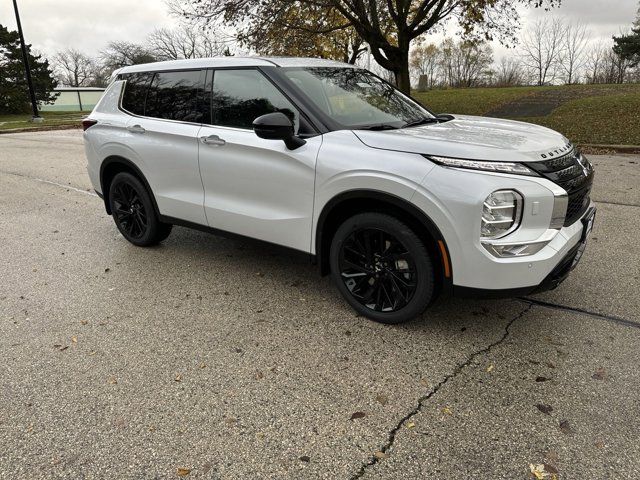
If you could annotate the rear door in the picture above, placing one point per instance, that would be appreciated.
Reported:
(162, 133)
(256, 187)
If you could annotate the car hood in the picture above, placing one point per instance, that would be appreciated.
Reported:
(477, 138)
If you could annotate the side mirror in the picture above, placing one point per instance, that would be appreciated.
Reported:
(277, 126)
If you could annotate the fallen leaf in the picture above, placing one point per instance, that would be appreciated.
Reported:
(259, 375)
(74, 339)
(600, 374)
(178, 378)
(381, 455)
(183, 472)
(92, 353)
(542, 379)
(565, 427)
(537, 471)
(447, 410)
(203, 365)
(411, 425)
(357, 415)
(83, 322)
(544, 408)
(113, 380)
(382, 399)
(305, 458)
(490, 368)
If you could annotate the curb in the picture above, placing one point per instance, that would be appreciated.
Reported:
(611, 148)
(48, 128)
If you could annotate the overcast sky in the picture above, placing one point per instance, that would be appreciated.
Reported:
(52, 25)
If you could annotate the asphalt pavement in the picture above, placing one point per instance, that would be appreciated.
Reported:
(213, 358)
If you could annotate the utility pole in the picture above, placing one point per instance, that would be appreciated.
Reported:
(27, 70)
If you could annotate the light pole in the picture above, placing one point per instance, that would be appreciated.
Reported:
(27, 70)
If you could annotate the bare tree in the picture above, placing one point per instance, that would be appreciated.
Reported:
(541, 48)
(464, 63)
(574, 45)
(73, 68)
(185, 41)
(509, 73)
(424, 64)
(122, 54)
(595, 58)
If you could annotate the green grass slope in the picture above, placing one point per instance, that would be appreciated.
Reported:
(586, 114)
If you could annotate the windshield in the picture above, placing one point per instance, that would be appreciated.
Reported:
(356, 98)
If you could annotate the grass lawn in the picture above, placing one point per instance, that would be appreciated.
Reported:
(586, 114)
(9, 122)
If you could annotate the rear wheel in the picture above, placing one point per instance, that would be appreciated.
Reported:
(133, 212)
(382, 268)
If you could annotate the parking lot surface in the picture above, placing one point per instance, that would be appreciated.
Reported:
(213, 358)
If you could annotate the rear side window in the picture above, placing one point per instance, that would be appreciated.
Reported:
(241, 96)
(174, 96)
(135, 92)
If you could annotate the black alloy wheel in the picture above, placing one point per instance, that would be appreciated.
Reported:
(133, 212)
(382, 268)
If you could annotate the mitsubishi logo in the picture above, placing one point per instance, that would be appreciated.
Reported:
(583, 163)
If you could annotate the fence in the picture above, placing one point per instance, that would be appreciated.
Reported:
(74, 99)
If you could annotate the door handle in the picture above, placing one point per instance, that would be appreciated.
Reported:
(136, 129)
(213, 140)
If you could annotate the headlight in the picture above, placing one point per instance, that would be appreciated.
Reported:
(501, 167)
(501, 214)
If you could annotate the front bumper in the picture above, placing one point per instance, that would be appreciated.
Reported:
(557, 275)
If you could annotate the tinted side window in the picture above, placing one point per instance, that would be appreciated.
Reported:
(241, 96)
(174, 96)
(135, 92)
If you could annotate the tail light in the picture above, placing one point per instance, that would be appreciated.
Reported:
(88, 123)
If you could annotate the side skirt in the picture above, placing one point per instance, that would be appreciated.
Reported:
(235, 236)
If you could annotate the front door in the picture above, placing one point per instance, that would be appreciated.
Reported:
(255, 187)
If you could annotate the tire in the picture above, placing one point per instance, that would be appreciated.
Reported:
(388, 277)
(133, 212)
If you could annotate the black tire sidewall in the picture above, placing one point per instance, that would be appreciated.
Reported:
(424, 266)
(151, 235)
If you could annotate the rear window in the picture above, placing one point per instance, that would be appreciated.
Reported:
(135, 92)
(174, 96)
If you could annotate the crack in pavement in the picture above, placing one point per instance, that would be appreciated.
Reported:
(621, 204)
(49, 182)
(566, 308)
(391, 437)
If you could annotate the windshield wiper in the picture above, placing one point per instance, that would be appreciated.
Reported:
(421, 121)
(378, 126)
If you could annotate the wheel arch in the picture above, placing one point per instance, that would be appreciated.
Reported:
(349, 203)
(115, 164)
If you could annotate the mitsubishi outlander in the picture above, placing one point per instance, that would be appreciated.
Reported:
(398, 204)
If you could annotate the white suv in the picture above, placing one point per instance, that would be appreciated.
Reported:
(398, 204)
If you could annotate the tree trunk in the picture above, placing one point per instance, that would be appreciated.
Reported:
(401, 72)
(403, 79)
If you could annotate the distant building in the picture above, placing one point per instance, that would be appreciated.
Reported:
(74, 99)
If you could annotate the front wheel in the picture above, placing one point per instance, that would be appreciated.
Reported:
(382, 268)
(133, 212)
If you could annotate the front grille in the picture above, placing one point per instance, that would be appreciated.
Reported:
(574, 173)
(578, 204)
